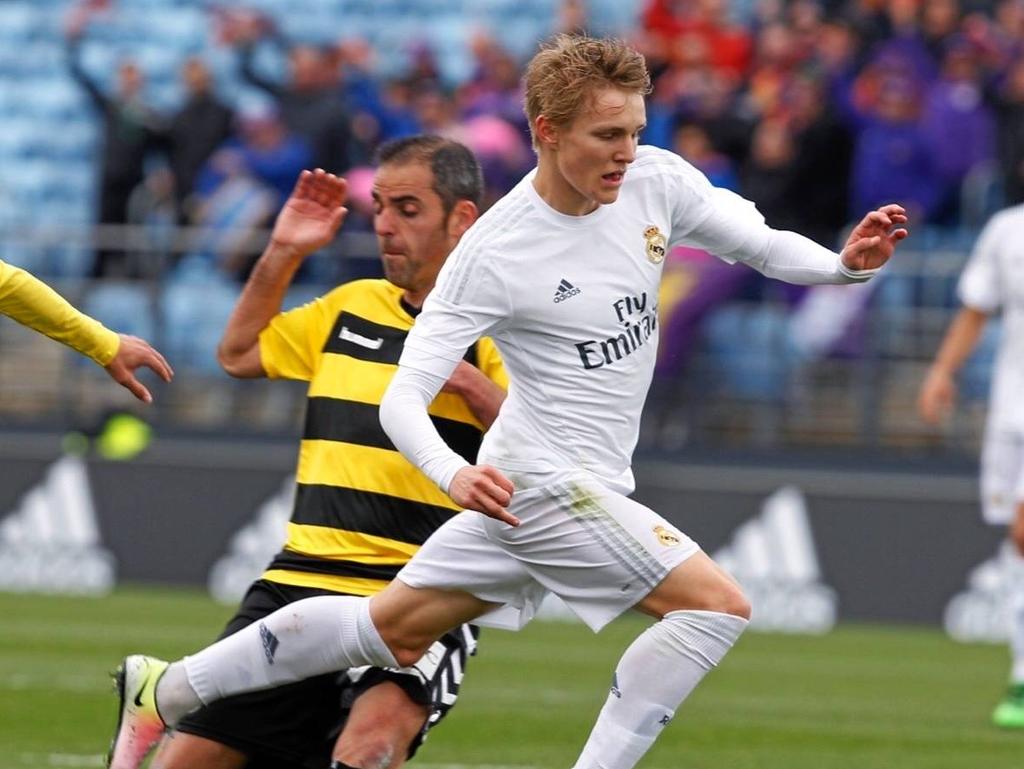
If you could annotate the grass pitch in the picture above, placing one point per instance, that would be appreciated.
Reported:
(860, 698)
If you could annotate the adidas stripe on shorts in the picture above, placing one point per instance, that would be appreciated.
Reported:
(596, 549)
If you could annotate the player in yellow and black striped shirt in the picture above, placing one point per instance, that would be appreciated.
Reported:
(361, 509)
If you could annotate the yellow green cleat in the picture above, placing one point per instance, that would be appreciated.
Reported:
(1009, 714)
(139, 725)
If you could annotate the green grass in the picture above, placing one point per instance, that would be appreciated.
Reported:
(860, 698)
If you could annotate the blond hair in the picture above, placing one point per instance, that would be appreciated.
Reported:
(567, 70)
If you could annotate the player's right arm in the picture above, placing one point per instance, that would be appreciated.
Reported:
(403, 415)
(980, 291)
(32, 303)
(938, 390)
(308, 221)
(470, 300)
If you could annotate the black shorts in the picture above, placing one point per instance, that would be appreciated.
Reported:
(295, 726)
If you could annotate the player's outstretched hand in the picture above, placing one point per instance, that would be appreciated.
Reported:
(874, 239)
(484, 489)
(938, 393)
(312, 214)
(132, 353)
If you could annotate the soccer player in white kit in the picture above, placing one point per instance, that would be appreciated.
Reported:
(993, 280)
(563, 274)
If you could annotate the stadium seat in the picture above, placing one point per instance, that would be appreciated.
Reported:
(746, 350)
(195, 307)
(125, 306)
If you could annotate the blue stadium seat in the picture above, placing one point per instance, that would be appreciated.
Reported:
(124, 306)
(18, 22)
(194, 311)
(46, 117)
(746, 350)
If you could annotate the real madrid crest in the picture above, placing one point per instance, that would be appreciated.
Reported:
(655, 244)
(666, 537)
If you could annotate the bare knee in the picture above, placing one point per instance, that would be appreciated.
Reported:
(410, 619)
(381, 726)
(373, 751)
(406, 643)
(734, 603)
(697, 584)
(407, 655)
(725, 598)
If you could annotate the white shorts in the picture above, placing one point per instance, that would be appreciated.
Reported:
(597, 550)
(1002, 476)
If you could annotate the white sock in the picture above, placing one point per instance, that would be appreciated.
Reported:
(305, 638)
(1013, 579)
(657, 672)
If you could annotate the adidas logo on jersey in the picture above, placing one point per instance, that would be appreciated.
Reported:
(773, 557)
(565, 290)
(51, 542)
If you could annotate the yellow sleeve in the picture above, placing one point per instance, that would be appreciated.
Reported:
(32, 303)
(290, 345)
(490, 362)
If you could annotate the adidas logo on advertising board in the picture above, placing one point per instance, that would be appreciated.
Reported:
(50, 542)
(565, 290)
(981, 612)
(773, 557)
(251, 549)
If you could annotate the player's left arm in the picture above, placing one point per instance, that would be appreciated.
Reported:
(482, 394)
(794, 258)
(29, 301)
(725, 224)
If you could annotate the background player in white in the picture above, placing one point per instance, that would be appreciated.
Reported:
(563, 274)
(993, 280)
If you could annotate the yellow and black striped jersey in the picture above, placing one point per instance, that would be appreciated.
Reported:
(361, 509)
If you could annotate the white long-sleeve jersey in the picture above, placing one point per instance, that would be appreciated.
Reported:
(572, 304)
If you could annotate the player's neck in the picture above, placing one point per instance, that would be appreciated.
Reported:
(415, 299)
(556, 191)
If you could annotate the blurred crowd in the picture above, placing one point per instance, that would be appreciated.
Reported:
(816, 110)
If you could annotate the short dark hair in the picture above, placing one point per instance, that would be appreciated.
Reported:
(457, 174)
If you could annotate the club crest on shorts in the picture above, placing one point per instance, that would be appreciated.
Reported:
(666, 537)
(655, 244)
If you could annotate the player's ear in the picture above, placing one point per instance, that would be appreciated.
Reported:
(463, 214)
(546, 132)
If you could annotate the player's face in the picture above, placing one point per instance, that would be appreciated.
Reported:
(411, 225)
(594, 150)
